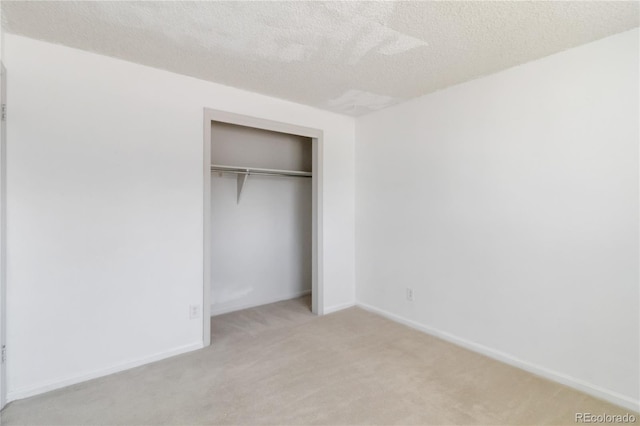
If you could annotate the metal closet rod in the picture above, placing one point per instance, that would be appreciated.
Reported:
(257, 171)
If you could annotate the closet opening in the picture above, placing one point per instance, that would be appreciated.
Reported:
(262, 215)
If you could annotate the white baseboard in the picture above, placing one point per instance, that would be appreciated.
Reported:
(336, 308)
(581, 385)
(219, 310)
(57, 384)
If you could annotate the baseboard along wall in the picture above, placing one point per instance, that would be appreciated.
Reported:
(588, 388)
(57, 384)
(225, 309)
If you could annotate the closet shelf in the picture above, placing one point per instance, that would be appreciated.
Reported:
(244, 172)
(258, 171)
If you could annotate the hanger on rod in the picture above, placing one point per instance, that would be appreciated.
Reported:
(244, 172)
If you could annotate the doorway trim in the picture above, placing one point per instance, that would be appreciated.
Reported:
(3, 236)
(316, 135)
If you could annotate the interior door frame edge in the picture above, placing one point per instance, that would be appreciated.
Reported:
(3, 238)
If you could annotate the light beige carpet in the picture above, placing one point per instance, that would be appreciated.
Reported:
(278, 364)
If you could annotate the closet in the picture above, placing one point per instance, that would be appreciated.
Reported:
(261, 218)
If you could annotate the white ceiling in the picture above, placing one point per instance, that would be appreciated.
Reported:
(347, 57)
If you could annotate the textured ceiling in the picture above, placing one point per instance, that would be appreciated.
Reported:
(347, 57)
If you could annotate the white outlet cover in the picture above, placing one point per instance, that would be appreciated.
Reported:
(194, 311)
(410, 294)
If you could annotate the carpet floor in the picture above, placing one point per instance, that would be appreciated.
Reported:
(280, 365)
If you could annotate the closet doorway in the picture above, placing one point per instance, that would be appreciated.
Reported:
(262, 214)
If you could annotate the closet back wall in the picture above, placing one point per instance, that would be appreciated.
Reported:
(261, 246)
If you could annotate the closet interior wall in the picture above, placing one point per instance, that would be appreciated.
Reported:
(261, 242)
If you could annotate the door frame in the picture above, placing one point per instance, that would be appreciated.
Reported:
(316, 135)
(3, 237)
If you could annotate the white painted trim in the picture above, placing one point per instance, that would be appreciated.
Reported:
(226, 309)
(317, 264)
(260, 123)
(317, 233)
(581, 385)
(336, 308)
(3, 237)
(206, 230)
(57, 384)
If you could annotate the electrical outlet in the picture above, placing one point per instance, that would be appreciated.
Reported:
(409, 294)
(194, 311)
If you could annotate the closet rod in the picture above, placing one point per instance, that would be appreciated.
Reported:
(256, 171)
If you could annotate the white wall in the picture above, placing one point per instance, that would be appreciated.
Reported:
(510, 205)
(261, 246)
(105, 210)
